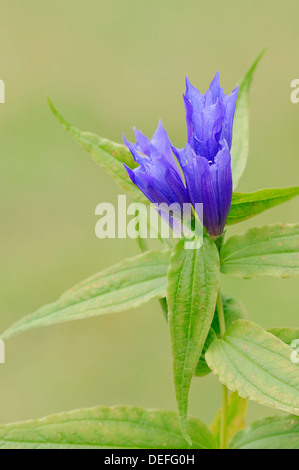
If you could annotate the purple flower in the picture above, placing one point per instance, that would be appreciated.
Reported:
(157, 175)
(205, 160)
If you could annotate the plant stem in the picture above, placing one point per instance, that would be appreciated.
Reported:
(223, 428)
(220, 314)
(142, 244)
(163, 303)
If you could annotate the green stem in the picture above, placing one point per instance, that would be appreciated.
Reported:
(223, 428)
(220, 314)
(142, 244)
(163, 303)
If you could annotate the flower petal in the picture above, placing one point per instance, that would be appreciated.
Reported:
(214, 92)
(143, 144)
(221, 177)
(194, 96)
(230, 104)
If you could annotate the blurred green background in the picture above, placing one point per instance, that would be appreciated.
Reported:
(109, 65)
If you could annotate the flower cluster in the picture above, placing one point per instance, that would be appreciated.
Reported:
(204, 175)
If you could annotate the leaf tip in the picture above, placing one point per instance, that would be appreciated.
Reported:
(56, 113)
(51, 104)
(257, 60)
(183, 426)
(187, 438)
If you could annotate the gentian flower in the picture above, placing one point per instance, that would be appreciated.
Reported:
(205, 160)
(157, 175)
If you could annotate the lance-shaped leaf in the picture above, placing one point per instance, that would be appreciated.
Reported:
(127, 285)
(121, 427)
(267, 251)
(236, 413)
(278, 432)
(246, 205)
(109, 155)
(257, 365)
(287, 335)
(193, 281)
(233, 310)
(239, 151)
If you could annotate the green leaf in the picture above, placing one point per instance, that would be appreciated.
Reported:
(257, 365)
(267, 251)
(273, 433)
(236, 414)
(109, 155)
(121, 427)
(239, 151)
(287, 335)
(202, 368)
(193, 281)
(233, 310)
(124, 286)
(246, 205)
